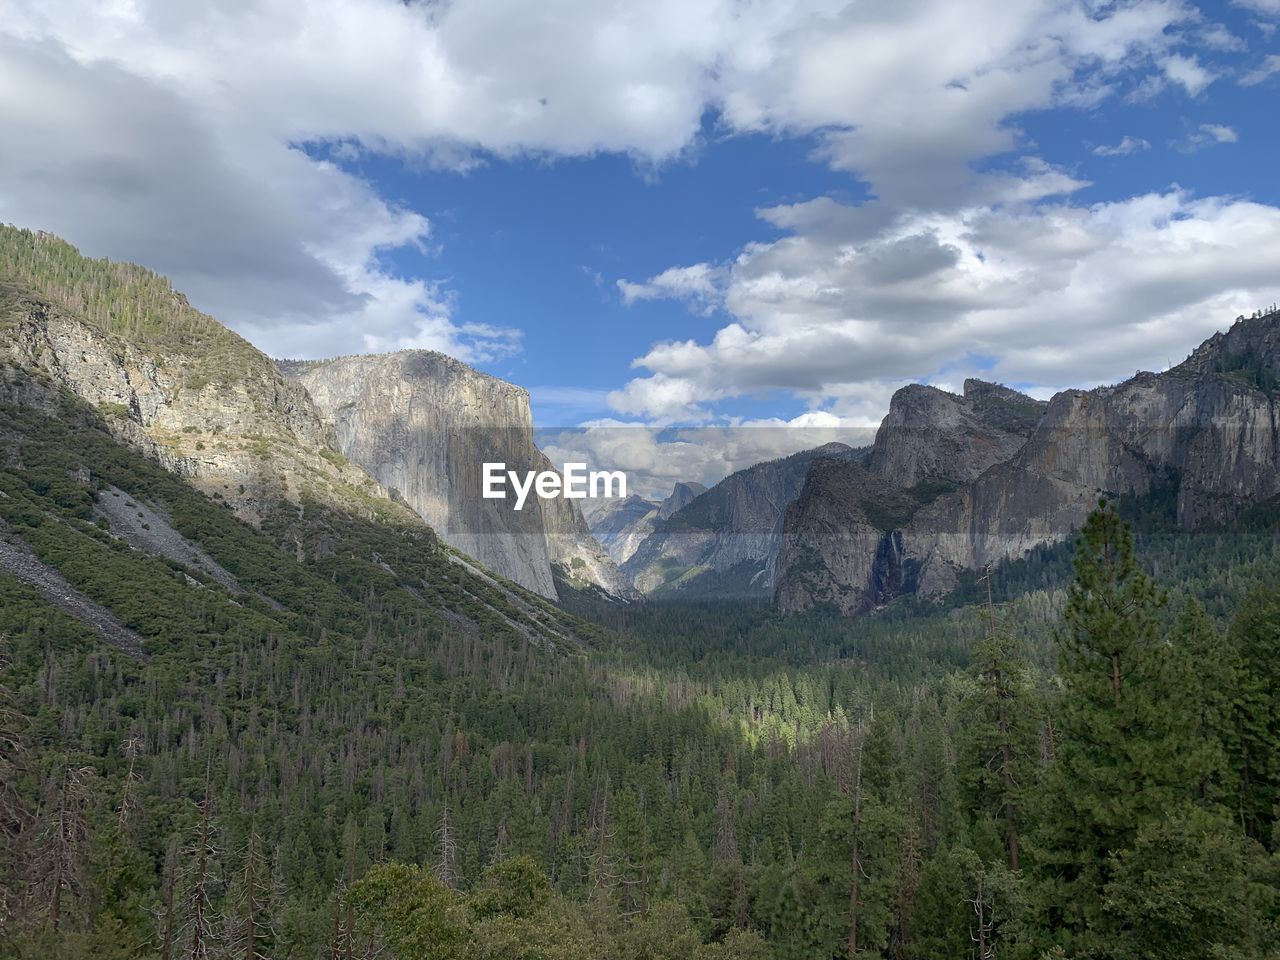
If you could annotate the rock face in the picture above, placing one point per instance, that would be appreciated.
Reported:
(423, 424)
(1205, 433)
(682, 495)
(725, 541)
(621, 526)
(207, 405)
(217, 412)
(932, 435)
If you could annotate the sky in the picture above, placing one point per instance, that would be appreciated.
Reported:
(677, 214)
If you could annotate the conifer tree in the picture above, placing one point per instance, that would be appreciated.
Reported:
(1255, 741)
(1118, 763)
(1000, 735)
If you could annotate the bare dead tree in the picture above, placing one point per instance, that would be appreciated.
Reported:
(202, 855)
(248, 929)
(605, 875)
(168, 918)
(982, 909)
(446, 867)
(15, 812)
(58, 855)
(131, 748)
(857, 874)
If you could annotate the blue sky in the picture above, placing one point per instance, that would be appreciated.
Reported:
(540, 244)
(695, 212)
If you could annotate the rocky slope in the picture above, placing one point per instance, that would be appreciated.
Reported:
(172, 381)
(423, 424)
(1205, 434)
(725, 541)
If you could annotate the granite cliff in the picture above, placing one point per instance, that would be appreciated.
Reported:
(621, 526)
(423, 424)
(192, 395)
(1204, 435)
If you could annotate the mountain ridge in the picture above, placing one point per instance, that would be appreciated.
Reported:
(1208, 427)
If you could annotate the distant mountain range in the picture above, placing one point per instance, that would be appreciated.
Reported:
(952, 483)
(724, 542)
(622, 525)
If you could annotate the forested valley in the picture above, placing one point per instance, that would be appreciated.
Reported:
(1074, 757)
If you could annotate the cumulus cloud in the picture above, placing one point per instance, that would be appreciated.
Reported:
(212, 141)
(697, 285)
(1188, 73)
(206, 139)
(655, 458)
(253, 230)
(1126, 146)
(1053, 296)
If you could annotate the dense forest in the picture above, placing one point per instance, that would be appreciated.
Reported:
(358, 752)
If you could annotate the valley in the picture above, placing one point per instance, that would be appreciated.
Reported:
(277, 682)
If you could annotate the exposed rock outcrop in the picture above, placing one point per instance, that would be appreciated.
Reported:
(622, 526)
(219, 414)
(682, 494)
(423, 424)
(932, 435)
(1206, 433)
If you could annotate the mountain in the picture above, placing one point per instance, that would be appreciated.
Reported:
(423, 424)
(621, 526)
(725, 540)
(682, 494)
(137, 555)
(173, 382)
(204, 403)
(1202, 439)
(930, 435)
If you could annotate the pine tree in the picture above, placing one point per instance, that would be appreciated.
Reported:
(1255, 741)
(999, 737)
(1118, 759)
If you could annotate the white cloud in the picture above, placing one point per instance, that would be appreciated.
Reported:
(1188, 73)
(284, 247)
(697, 285)
(1267, 8)
(208, 101)
(1269, 67)
(1051, 296)
(1219, 133)
(655, 458)
(1126, 146)
(1207, 135)
(168, 133)
(1215, 36)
